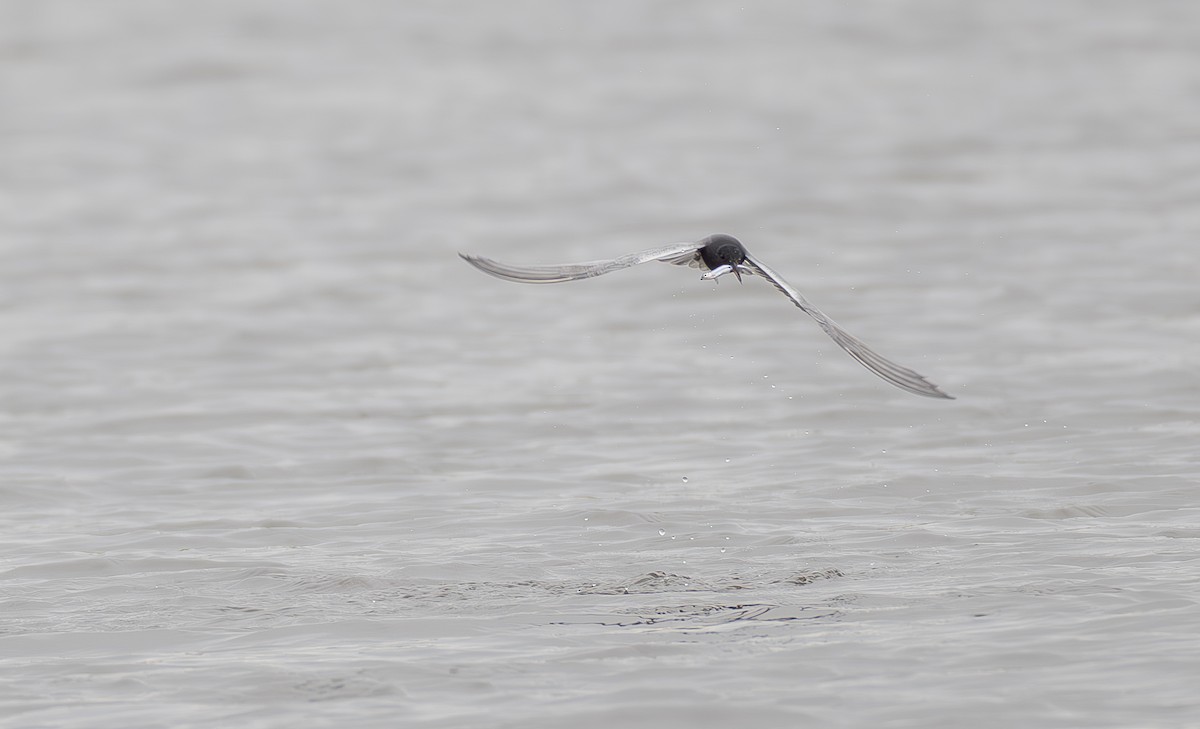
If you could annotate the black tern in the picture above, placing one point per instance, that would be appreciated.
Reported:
(718, 255)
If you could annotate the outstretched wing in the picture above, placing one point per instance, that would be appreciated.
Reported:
(680, 254)
(901, 377)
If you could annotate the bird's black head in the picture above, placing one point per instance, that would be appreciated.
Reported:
(722, 250)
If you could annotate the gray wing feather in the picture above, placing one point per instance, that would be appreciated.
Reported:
(901, 377)
(680, 254)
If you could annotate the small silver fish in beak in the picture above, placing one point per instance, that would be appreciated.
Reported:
(725, 268)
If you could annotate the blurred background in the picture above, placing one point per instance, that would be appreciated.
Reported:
(267, 441)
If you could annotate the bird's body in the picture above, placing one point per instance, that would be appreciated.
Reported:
(718, 255)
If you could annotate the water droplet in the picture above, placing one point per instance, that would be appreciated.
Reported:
(722, 550)
(727, 460)
(662, 532)
(685, 479)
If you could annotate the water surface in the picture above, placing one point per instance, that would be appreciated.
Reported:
(273, 455)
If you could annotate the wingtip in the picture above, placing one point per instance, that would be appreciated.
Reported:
(474, 260)
(938, 392)
(925, 388)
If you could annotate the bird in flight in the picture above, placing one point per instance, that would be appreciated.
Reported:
(718, 255)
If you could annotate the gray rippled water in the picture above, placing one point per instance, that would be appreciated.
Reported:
(272, 455)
